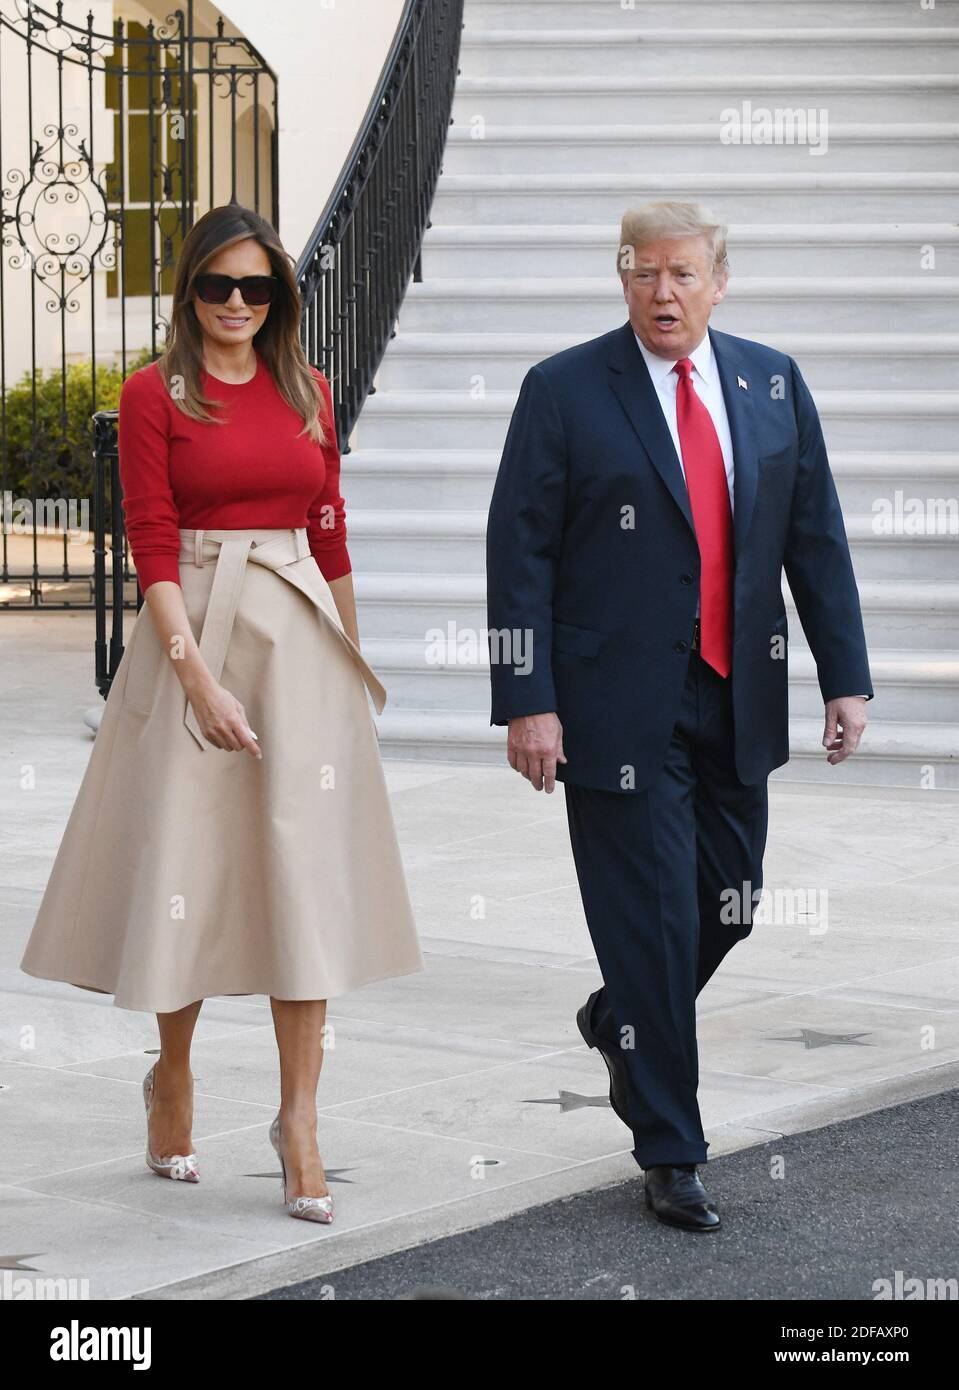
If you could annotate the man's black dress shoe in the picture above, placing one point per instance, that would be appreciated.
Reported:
(678, 1198)
(612, 1055)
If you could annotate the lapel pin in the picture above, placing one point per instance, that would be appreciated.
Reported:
(742, 383)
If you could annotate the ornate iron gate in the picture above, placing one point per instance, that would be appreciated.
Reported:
(111, 145)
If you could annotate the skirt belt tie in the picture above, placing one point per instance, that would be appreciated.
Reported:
(280, 552)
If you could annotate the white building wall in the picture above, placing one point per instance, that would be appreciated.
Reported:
(327, 55)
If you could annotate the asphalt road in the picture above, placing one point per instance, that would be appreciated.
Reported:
(818, 1216)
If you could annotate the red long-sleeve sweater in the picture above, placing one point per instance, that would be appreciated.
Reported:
(250, 472)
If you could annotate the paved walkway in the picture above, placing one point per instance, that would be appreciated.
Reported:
(866, 1209)
(463, 1094)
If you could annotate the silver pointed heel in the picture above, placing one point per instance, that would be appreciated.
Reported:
(307, 1208)
(181, 1166)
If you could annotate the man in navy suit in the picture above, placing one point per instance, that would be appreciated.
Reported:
(655, 483)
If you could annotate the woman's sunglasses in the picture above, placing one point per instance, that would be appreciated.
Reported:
(216, 289)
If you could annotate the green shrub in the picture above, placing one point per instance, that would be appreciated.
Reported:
(55, 459)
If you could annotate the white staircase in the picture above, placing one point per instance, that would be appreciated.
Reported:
(567, 112)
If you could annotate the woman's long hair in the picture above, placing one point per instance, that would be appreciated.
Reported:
(278, 339)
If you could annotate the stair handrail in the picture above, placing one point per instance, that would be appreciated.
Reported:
(366, 246)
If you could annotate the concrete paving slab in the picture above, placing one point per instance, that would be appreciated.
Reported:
(457, 1096)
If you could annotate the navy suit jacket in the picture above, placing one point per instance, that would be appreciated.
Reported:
(593, 566)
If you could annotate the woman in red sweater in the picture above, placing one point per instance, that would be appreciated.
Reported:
(232, 834)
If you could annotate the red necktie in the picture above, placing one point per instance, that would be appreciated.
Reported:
(712, 518)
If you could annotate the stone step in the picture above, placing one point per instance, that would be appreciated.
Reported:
(898, 615)
(795, 142)
(896, 754)
(447, 668)
(922, 755)
(743, 197)
(441, 542)
(554, 100)
(683, 94)
(499, 361)
(835, 248)
(753, 304)
(890, 420)
(462, 479)
(643, 15)
(772, 50)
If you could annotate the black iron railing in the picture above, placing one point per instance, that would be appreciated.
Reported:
(352, 275)
(365, 248)
(108, 519)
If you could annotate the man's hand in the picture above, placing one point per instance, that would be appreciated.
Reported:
(534, 745)
(845, 721)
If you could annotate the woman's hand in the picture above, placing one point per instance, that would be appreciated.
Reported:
(222, 719)
(220, 716)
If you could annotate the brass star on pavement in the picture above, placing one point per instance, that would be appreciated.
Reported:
(810, 1039)
(569, 1100)
(332, 1175)
(15, 1261)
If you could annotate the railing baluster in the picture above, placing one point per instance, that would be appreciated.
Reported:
(377, 214)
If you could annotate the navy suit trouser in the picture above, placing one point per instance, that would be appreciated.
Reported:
(653, 868)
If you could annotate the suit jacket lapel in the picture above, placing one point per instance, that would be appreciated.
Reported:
(631, 383)
(742, 427)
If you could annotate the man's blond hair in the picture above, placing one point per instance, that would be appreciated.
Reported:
(660, 220)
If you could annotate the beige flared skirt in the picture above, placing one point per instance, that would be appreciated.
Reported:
(186, 871)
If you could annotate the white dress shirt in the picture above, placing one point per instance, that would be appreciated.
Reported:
(708, 387)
